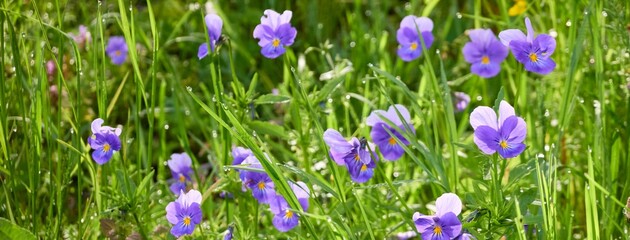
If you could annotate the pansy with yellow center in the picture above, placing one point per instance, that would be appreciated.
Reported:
(104, 141)
(274, 33)
(117, 49)
(263, 188)
(484, 52)
(181, 170)
(184, 213)
(504, 135)
(354, 154)
(385, 136)
(533, 51)
(408, 36)
(285, 218)
(444, 224)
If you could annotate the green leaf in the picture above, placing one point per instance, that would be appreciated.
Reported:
(268, 128)
(271, 99)
(9, 231)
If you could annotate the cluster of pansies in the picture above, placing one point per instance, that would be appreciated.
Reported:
(391, 129)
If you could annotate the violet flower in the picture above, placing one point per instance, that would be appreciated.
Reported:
(408, 38)
(181, 170)
(461, 101)
(104, 141)
(354, 154)
(532, 51)
(274, 33)
(284, 219)
(485, 52)
(444, 224)
(214, 24)
(184, 213)
(239, 154)
(263, 188)
(117, 49)
(387, 144)
(505, 135)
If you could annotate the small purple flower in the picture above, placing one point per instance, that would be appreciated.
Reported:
(51, 68)
(284, 219)
(104, 141)
(181, 170)
(444, 224)
(117, 49)
(485, 52)
(184, 213)
(387, 144)
(532, 51)
(408, 38)
(263, 188)
(214, 24)
(83, 37)
(461, 101)
(239, 154)
(274, 33)
(230, 233)
(505, 136)
(354, 154)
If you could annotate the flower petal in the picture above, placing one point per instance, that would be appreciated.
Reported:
(423, 222)
(487, 139)
(546, 44)
(451, 226)
(171, 213)
(510, 35)
(519, 132)
(483, 116)
(530, 30)
(448, 202)
(512, 150)
(202, 52)
(336, 142)
(505, 111)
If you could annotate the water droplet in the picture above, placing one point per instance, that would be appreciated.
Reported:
(437, 51)
(23, 35)
(458, 15)
(585, 12)
(370, 65)
(71, 130)
(166, 127)
(82, 220)
(100, 2)
(479, 98)
(348, 97)
(352, 44)
(254, 134)
(189, 89)
(292, 69)
(604, 13)
(187, 112)
(330, 100)
(214, 134)
(568, 23)
(226, 169)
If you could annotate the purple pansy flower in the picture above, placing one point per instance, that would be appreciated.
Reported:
(387, 144)
(104, 140)
(505, 136)
(461, 101)
(485, 52)
(263, 188)
(117, 49)
(284, 219)
(444, 224)
(274, 33)
(408, 38)
(214, 24)
(181, 170)
(465, 236)
(83, 37)
(184, 213)
(229, 233)
(239, 154)
(532, 51)
(354, 154)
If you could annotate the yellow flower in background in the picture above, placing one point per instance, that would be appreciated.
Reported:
(519, 8)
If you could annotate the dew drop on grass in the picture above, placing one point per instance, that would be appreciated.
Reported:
(71, 130)
(479, 98)
(82, 220)
(166, 127)
(458, 15)
(226, 169)
(254, 134)
(214, 134)
(292, 69)
(100, 2)
(165, 163)
(568, 23)
(330, 100)
(159, 192)
(347, 97)
(370, 65)
(352, 44)
(189, 88)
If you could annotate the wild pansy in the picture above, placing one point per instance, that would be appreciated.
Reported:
(104, 140)
(214, 24)
(83, 37)
(229, 233)
(117, 49)
(387, 144)
(274, 33)
(485, 52)
(444, 224)
(184, 213)
(354, 154)
(181, 170)
(284, 219)
(408, 38)
(461, 101)
(532, 51)
(239, 154)
(263, 188)
(505, 135)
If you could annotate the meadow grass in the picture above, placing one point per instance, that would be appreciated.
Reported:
(570, 182)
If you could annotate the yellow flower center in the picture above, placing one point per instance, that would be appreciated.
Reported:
(261, 185)
(437, 230)
(533, 57)
(520, 6)
(414, 46)
(106, 147)
(187, 221)
(182, 178)
(288, 214)
(363, 168)
(276, 42)
(356, 157)
(503, 144)
(117, 53)
(392, 141)
(485, 60)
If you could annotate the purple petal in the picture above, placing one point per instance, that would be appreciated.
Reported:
(546, 45)
(481, 36)
(180, 163)
(487, 139)
(195, 213)
(203, 51)
(451, 226)
(423, 222)
(264, 34)
(543, 66)
(269, 51)
(181, 229)
(407, 54)
(421, 24)
(336, 142)
(270, 18)
(192, 196)
(505, 111)
(512, 150)
(508, 125)
(375, 117)
(171, 213)
(214, 25)
(496, 51)
(285, 221)
(392, 114)
(286, 34)
(96, 125)
(277, 204)
(485, 70)
(178, 187)
(530, 30)
(101, 157)
(448, 202)
(519, 132)
(507, 36)
(472, 53)
(483, 116)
